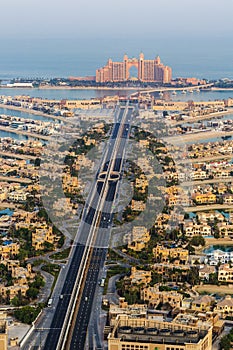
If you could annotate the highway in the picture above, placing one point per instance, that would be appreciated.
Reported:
(69, 326)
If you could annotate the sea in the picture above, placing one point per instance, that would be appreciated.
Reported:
(202, 57)
(210, 58)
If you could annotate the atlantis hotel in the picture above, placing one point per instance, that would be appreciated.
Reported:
(148, 70)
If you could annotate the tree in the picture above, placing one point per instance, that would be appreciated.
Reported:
(32, 292)
(197, 240)
(15, 301)
(37, 162)
(225, 343)
(27, 314)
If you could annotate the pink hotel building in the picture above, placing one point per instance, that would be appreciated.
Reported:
(148, 70)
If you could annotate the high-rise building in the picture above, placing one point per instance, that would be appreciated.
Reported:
(148, 70)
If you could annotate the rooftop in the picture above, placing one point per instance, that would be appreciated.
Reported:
(159, 336)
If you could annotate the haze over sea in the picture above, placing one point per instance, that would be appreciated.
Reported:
(203, 57)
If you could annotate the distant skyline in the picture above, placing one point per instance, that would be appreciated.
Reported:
(57, 38)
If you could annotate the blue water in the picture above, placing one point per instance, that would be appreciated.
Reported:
(6, 212)
(63, 94)
(92, 93)
(20, 114)
(199, 57)
(14, 136)
(224, 248)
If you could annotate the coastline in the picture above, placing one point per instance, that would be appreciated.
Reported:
(76, 88)
(46, 87)
(39, 113)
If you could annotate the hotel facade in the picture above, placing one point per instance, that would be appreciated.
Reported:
(148, 70)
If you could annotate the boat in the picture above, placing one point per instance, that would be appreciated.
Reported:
(226, 137)
(184, 92)
(190, 91)
(174, 92)
(161, 94)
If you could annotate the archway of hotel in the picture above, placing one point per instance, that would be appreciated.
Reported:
(133, 72)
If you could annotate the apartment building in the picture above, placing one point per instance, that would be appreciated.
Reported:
(144, 334)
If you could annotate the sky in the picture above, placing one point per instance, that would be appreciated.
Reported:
(74, 37)
(121, 18)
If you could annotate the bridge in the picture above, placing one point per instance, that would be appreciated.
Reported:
(165, 89)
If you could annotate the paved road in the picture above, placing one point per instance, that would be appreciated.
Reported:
(62, 296)
(102, 240)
